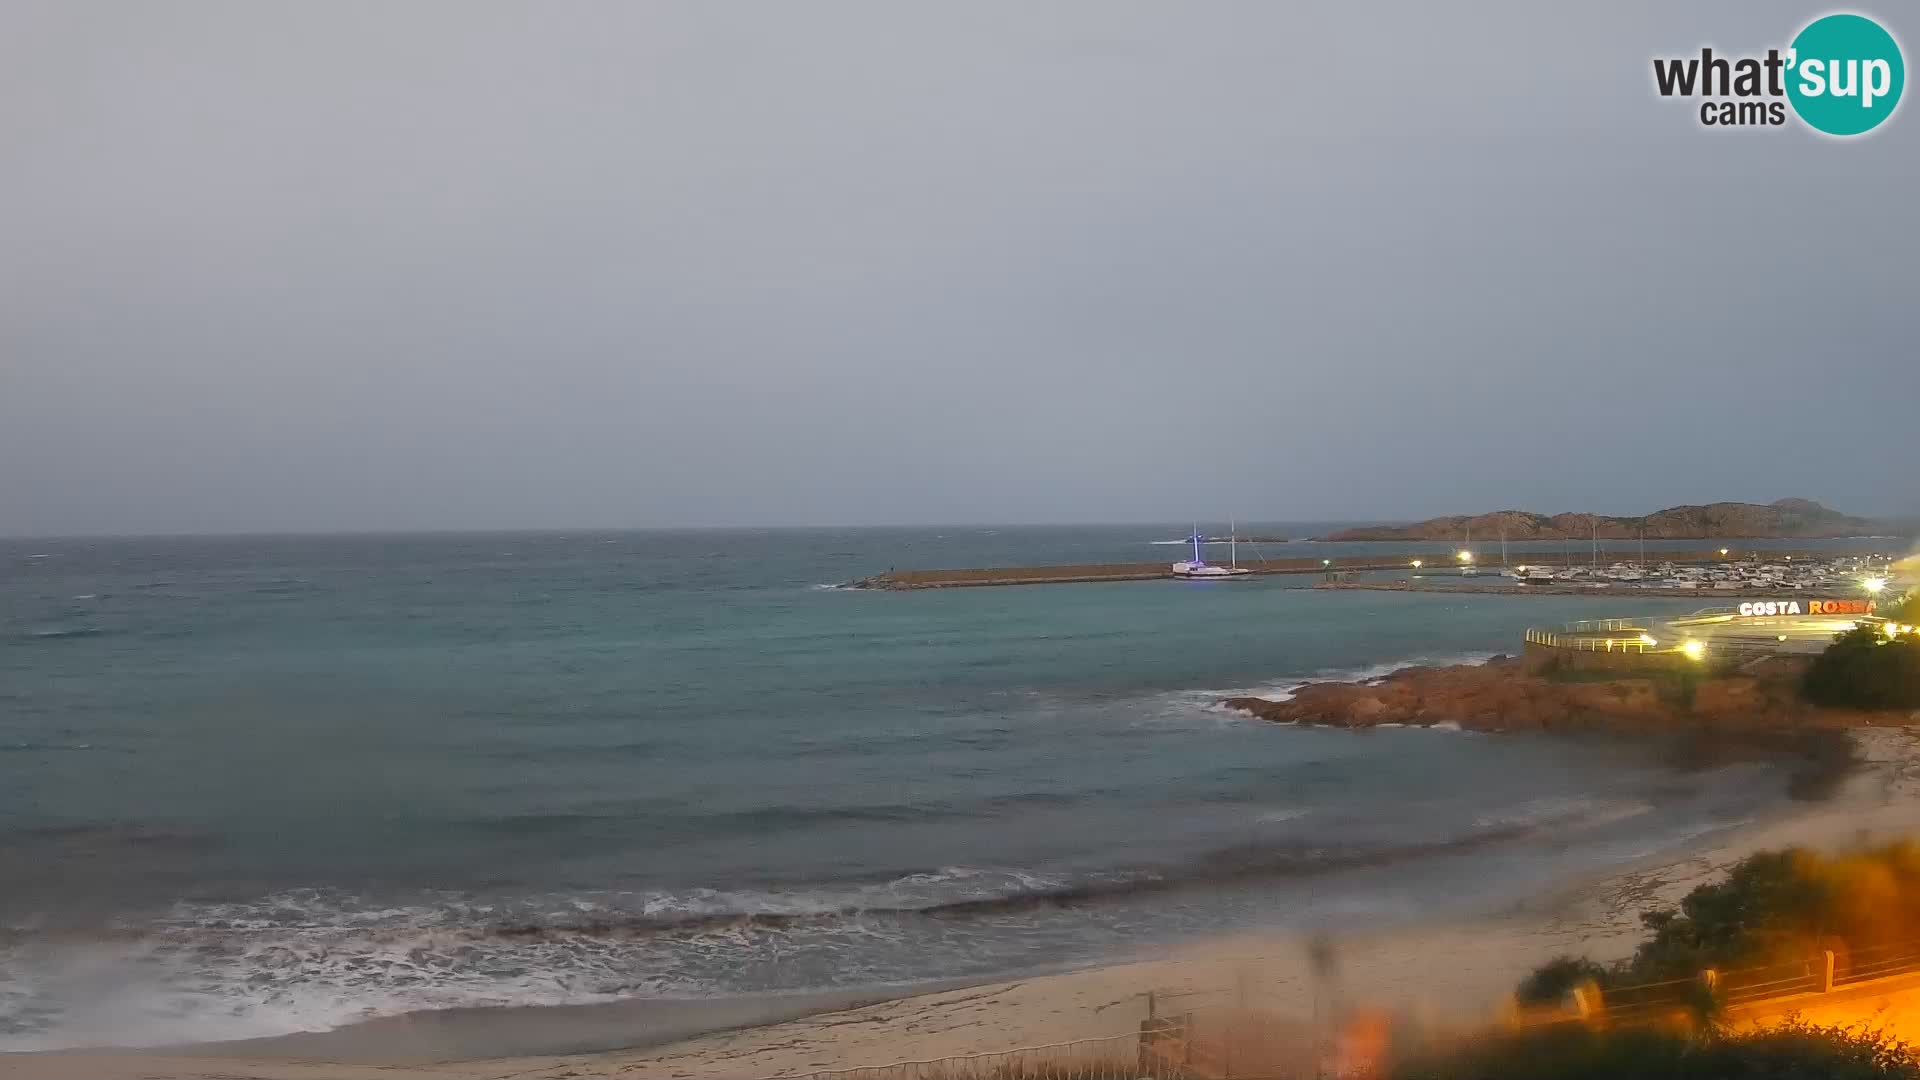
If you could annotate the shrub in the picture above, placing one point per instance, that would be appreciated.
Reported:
(1773, 906)
(1864, 670)
(1789, 1052)
(1552, 981)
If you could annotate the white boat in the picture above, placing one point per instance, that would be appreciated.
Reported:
(1201, 568)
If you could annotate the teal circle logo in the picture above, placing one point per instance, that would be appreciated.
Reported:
(1845, 74)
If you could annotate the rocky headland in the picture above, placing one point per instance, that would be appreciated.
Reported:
(1706, 718)
(1515, 694)
(1785, 519)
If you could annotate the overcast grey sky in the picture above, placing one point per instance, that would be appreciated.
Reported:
(464, 265)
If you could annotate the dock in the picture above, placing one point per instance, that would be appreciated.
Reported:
(1437, 563)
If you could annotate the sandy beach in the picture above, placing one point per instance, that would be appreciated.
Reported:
(1454, 971)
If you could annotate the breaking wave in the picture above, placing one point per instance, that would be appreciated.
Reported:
(64, 633)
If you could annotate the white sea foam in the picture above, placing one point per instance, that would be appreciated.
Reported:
(1564, 810)
(310, 960)
(1284, 689)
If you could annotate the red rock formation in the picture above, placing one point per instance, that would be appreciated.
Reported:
(1512, 695)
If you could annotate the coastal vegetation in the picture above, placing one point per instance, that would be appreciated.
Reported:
(1771, 906)
(1864, 669)
(1789, 1051)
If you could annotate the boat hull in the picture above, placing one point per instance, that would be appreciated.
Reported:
(1206, 571)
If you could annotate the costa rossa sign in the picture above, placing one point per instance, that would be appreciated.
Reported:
(1807, 607)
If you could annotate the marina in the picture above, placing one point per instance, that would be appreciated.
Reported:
(1721, 571)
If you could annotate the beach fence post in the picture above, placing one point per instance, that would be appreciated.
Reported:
(1826, 973)
(1586, 1000)
(1163, 1046)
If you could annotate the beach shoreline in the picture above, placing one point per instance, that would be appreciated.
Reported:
(1457, 969)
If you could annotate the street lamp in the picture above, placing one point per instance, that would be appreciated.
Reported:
(1873, 584)
(1694, 648)
(1466, 556)
(1723, 553)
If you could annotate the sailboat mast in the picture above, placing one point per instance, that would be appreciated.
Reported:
(1233, 542)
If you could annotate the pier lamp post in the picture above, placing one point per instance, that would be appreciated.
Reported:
(1416, 569)
(1723, 553)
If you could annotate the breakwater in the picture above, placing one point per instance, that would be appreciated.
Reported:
(1438, 563)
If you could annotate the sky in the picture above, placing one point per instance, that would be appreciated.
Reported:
(439, 265)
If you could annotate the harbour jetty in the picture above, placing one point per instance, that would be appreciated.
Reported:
(1435, 562)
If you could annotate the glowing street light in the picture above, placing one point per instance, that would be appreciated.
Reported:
(1693, 648)
(1873, 584)
(1723, 553)
(1416, 564)
(1465, 556)
(1326, 562)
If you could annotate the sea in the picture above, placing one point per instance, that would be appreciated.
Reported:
(260, 785)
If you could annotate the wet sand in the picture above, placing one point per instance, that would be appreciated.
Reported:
(1456, 971)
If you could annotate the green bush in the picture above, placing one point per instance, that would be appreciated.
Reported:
(1552, 981)
(1772, 906)
(1864, 670)
(1769, 902)
(1788, 1052)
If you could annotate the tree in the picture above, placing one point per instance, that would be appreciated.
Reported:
(1863, 669)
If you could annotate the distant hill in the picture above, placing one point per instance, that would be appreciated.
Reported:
(1788, 518)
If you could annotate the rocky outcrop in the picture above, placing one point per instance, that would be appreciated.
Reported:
(1787, 518)
(1508, 694)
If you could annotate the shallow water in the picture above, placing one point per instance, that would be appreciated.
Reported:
(255, 785)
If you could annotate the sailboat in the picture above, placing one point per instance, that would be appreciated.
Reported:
(1200, 568)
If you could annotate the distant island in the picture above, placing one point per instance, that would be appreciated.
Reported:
(1787, 518)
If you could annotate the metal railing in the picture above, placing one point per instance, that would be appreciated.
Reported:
(1228, 1037)
(1652, 1002)
(1599, 626)
(1637, 643)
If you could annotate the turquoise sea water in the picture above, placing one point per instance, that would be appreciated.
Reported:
(254, 785)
